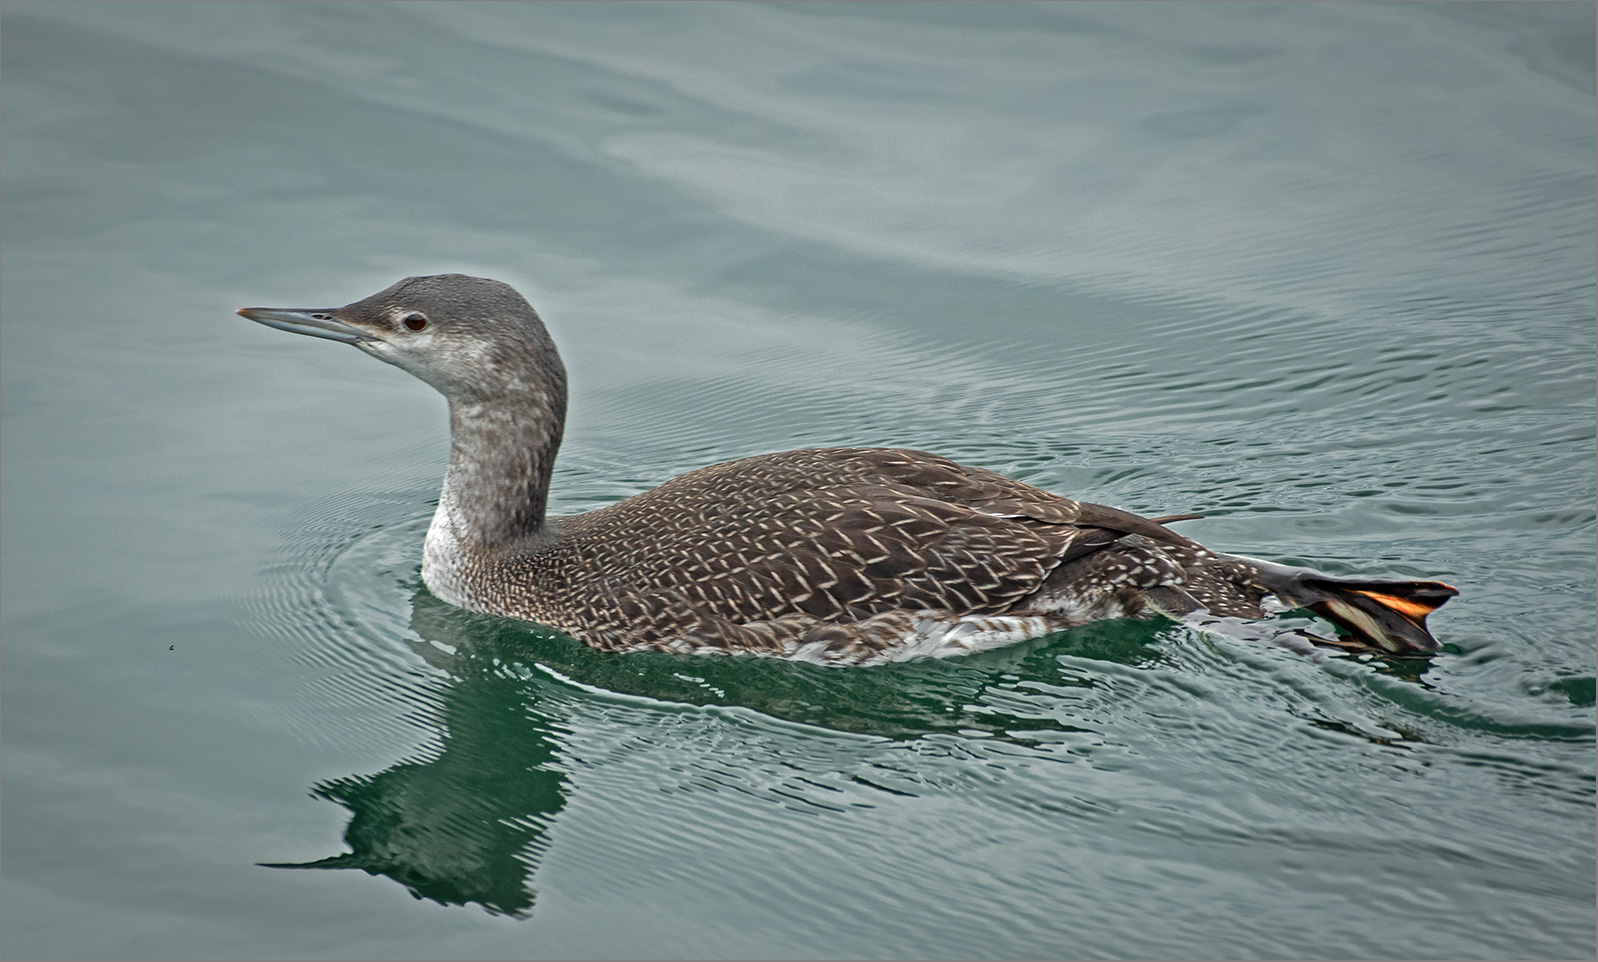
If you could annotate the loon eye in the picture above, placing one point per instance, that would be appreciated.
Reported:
(415, 322)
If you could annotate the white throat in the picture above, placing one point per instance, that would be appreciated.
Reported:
(445, 562)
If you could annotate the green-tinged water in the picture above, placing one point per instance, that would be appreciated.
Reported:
(1322, 272)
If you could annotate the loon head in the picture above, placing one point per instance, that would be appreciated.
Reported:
(474, 339)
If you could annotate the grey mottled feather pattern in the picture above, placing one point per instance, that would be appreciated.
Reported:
(846, 547)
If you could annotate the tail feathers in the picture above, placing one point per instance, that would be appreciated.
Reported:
(1390, 615)
(1172, 518)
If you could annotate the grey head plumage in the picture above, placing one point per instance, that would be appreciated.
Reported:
(472, 338)
(487, 351)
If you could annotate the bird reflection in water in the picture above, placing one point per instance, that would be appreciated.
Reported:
(467, 821)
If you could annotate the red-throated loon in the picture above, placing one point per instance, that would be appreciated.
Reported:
(842, 556)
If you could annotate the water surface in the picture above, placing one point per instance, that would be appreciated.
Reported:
(1322, 272)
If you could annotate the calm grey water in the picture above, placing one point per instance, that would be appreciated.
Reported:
(1323, 272)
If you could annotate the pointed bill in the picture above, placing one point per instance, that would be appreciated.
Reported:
(317, 323)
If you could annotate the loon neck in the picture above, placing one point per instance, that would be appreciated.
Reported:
(501, 455)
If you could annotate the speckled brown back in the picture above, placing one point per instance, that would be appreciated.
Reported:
(834, 534)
